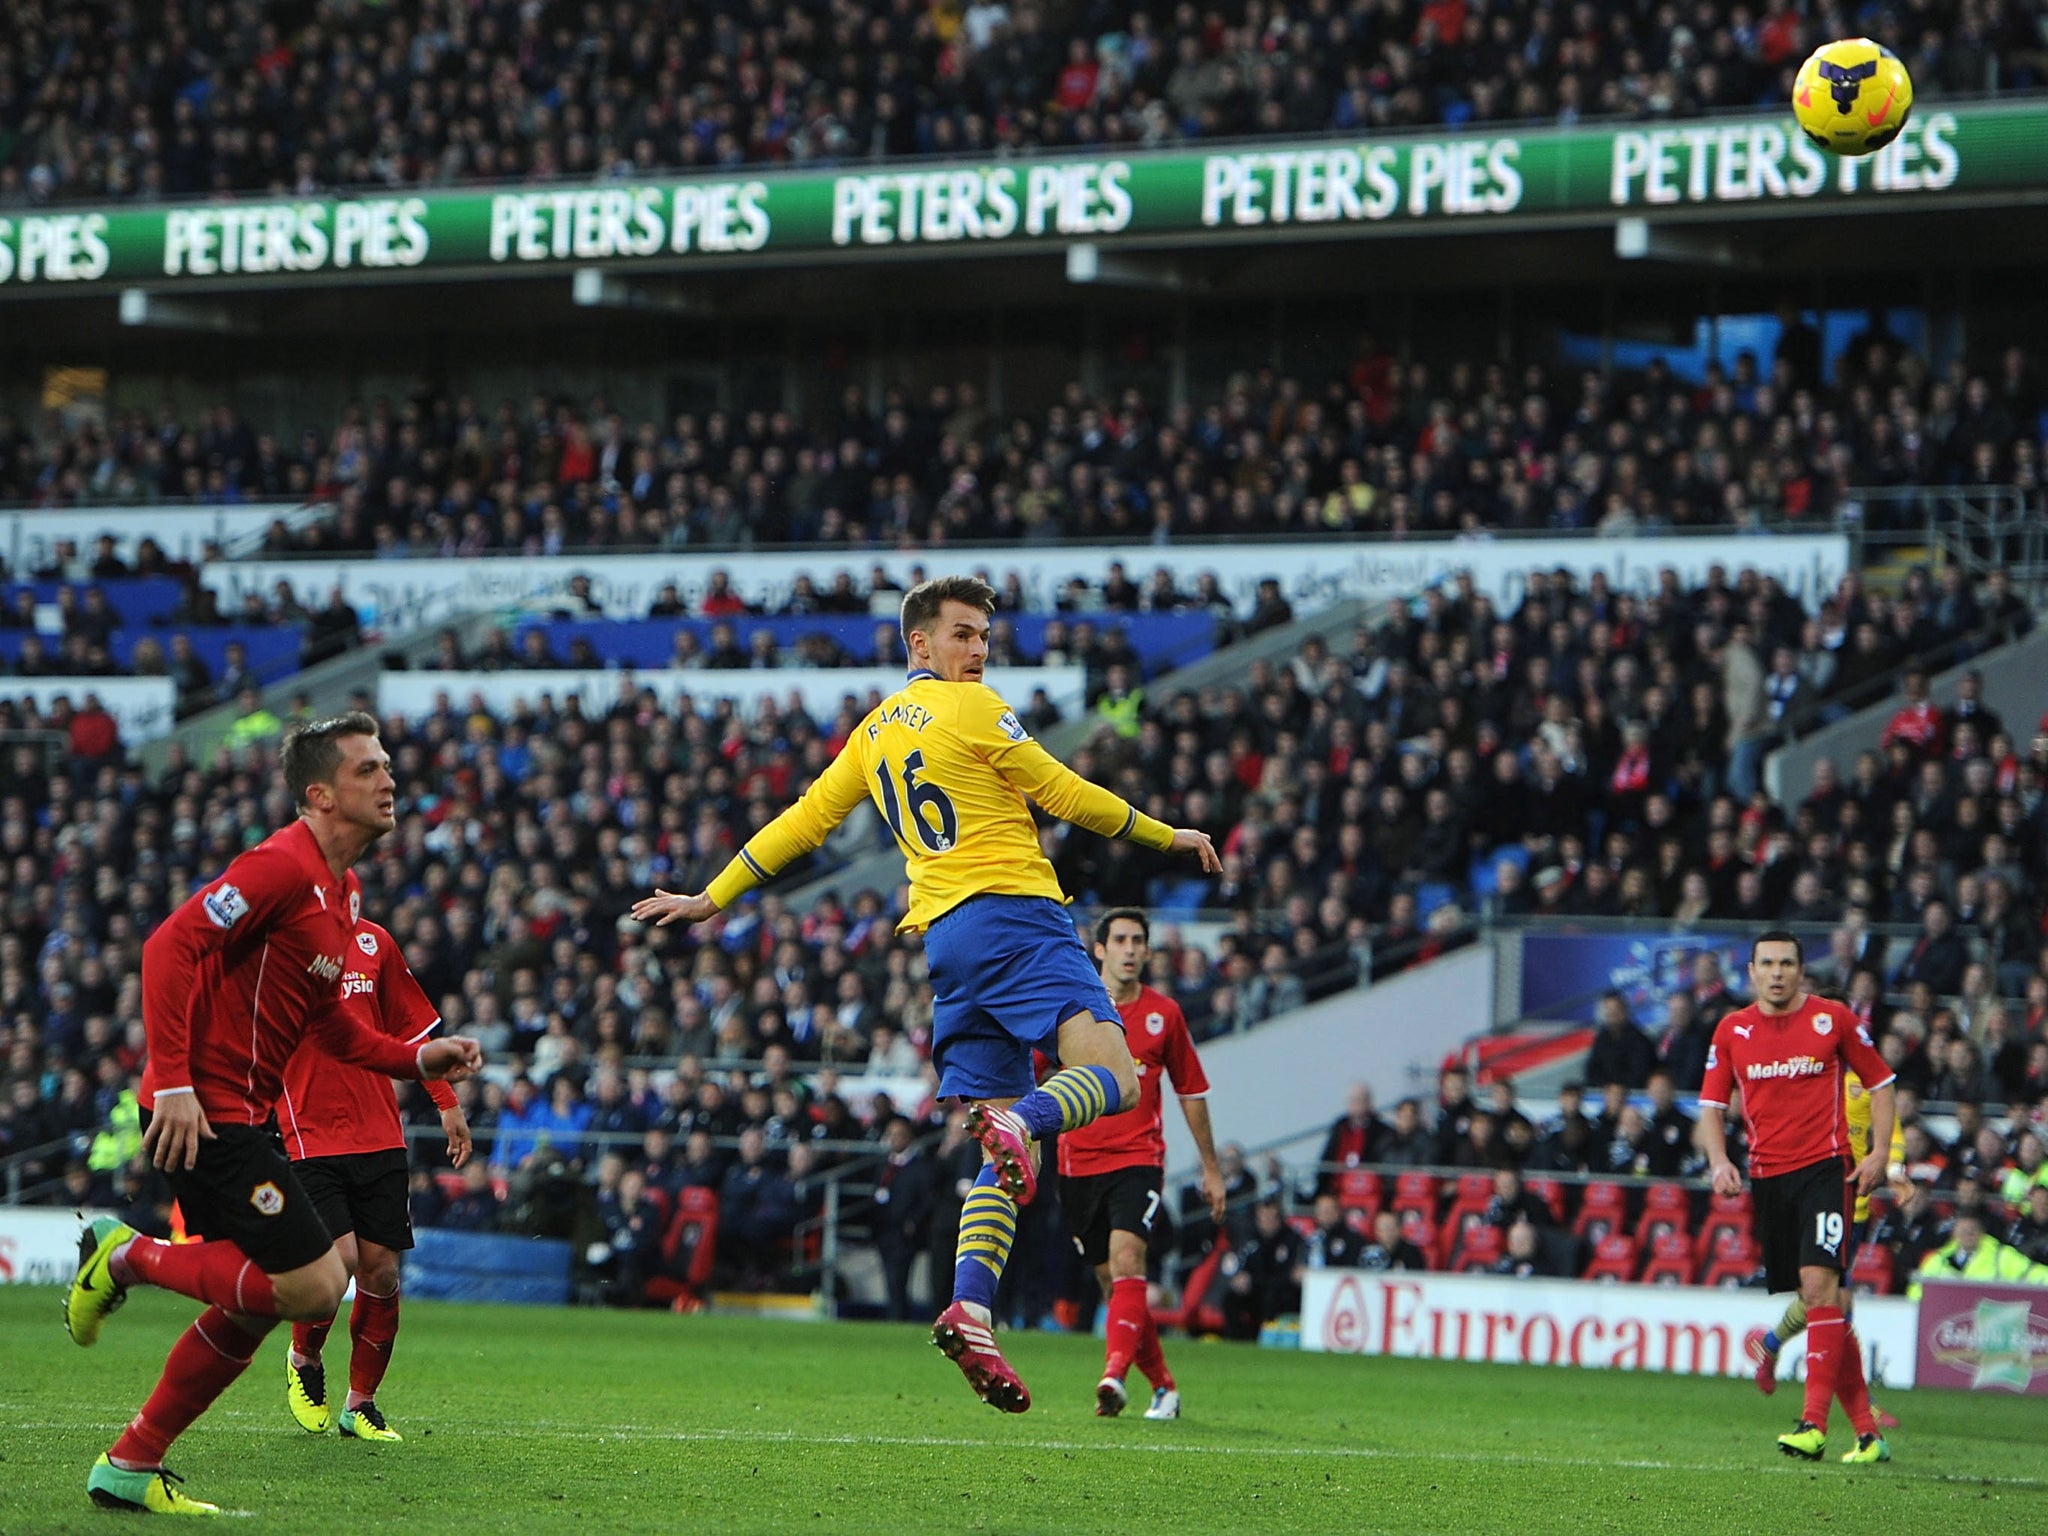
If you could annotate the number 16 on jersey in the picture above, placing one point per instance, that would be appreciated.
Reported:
(933, 822)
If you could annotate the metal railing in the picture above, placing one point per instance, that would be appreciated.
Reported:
(14, 1186)
(1976, 528)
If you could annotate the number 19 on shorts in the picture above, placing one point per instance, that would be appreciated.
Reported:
(1827, 1230)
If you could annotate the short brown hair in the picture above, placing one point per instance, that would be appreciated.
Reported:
(922, 602)
(312, 753)
(1122, 914)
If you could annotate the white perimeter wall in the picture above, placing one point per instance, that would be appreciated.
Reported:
(1290, 1076)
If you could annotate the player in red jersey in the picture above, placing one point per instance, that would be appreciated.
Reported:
(231, 983)
(347, 1145)
(1113, 1170)
(1787, 1052)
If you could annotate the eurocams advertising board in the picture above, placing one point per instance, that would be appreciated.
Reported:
(1283, 188)
(398, 596)
(1685, 1330)
(39, 1247)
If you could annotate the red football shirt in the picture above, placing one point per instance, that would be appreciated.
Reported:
(1159, 1042)
(247, 967)
(329, 1109)
(1790, 1067)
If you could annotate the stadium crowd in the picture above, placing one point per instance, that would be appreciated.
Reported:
(1388, 448)
(1591, 753)
(138, 102)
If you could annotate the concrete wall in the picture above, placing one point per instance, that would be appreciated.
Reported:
(1287, 1079)
(2013, 685)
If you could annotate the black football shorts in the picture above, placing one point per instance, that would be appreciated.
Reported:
(363, 1193)
(1805, 1219)
(1097, 1204)
(242, 1190)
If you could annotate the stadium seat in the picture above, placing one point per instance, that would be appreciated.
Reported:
(1725, 1213)
(1453, 1233)
(1670, 1261)
(1875, 1271)
(1360, 1191)
(1304, 1226)
(689, 1249)
(1415, 1191)
(1667, 1210)
(1478, 1246)
(1734, 1260)
(1551, 1193)
(1473, 1192)
(1420, 1229)
(1602, 1210)
(1614, 1259)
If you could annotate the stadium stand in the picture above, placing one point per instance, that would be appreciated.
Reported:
(145, 103)
(1354, 838)
(1391, 448)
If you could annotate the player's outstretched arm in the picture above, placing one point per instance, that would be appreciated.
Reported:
(450, 1060)
(665, 907)
(798, 830)
(1188, 840)
(995, 732)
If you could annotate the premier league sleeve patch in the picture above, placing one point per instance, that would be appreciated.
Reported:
(1011, 727)
(225, 906)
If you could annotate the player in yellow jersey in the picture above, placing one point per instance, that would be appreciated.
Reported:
(1764, 1349)
(954, 774)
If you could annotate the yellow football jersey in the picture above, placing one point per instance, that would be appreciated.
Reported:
(1856, 1111)
(949, 767)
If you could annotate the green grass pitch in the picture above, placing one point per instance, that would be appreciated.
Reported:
(533, 1420)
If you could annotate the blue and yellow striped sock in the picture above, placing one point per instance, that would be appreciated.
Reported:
(988, 1226)
(1068, 1100)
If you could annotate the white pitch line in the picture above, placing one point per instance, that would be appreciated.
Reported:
(264, 1423)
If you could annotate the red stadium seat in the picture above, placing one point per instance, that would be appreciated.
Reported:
(1725, 1213)
(1474, 1191)
(689, 1249)
(1415, 1191)
(1734, 1260)
(1671, 1201)
(1614, 1258)
(1875, 1272)
(1304, 1226)
(1452, 1234)
(1360, 1189)
(1477, 1248)
(1670, 1261)
(1420, 1230)
(1667, 1209)
(1550, 1192)
(1601, 1211)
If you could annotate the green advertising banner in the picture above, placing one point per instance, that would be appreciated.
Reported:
(1280, 188)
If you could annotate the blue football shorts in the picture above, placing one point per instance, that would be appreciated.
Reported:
(1006, 972)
